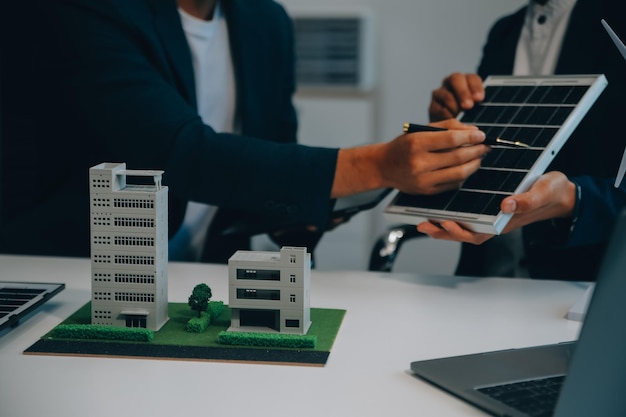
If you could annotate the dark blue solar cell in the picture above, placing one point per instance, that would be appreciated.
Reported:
(557, 94)
(576, 93)
(438, 202)
(537, 96)
(490, 93)
(544, 137)
(541, 115)
(471, 116)
(486, 179)
(470, 202)
(505, 94)
(527, 159)
(560, 115)
(513, 181)
(522, 115)
(492, 208)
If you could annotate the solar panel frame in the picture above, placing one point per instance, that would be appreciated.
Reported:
(540, 111)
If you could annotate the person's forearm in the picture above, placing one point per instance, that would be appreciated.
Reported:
(358, 169)
(416, 163)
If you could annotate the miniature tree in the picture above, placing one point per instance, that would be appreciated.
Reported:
(199, 298)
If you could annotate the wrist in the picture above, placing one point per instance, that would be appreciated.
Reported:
(358, 169)
(569, 203)
(562, 227)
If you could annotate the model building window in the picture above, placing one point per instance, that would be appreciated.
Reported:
(292, 259)
(266, 275)
(133, 203)
(101, 183)
(134, 297)
(136, 321)
(133, 222)
(292, 298)
(245, 293)
(292, 323)
(134, 260)
(134, 278)
(102, 240)
(102, 277)
(292, 278)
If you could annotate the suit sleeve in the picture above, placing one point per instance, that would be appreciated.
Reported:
(598, 208)
(498, 54)
(111, 80)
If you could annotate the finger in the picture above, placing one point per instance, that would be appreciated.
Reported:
(445, 103)
(448, 230)
(450, 139)
(444, 158)
(454, 124)
(475, 85)
(508, 205)
(438, 181)
(433, 230)
(437, 112)
(457, 83)
(460, 234)
(530, 200)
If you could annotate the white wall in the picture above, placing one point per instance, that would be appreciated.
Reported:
(418, 42)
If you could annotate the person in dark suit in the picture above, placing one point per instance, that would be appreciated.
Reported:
(116, 81)
(570, 247)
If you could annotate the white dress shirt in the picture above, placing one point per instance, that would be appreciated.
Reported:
(537, 53)
(215, 97)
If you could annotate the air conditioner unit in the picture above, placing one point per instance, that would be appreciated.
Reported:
(334, 48)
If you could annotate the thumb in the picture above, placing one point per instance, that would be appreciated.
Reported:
(508, 205)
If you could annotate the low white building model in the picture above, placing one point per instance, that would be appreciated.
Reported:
(269, 291)
(128, 248)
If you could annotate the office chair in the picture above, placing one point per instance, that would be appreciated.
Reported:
(388, 245)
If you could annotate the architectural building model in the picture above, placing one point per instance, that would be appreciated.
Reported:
(129, 251)
(269, 291)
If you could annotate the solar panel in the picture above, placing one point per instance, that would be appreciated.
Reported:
(541, 112)
(17, 299)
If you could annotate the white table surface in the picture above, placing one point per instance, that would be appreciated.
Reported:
(366, 373)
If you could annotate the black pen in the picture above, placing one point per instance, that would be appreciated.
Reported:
(411, 128)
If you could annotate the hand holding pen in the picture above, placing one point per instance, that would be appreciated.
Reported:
(411, 128)
(420, 163)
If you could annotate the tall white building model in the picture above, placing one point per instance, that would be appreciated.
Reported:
(269, 291)
(128, 248)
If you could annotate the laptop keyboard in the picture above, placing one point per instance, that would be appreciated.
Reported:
(19, 298)
(537, 398)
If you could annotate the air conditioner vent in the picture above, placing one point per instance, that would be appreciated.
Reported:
(332, 51)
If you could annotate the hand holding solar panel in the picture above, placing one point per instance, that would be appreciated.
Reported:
(539, 111)
(552, 196)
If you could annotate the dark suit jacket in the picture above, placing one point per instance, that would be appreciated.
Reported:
(594, 149)
(117, 85)
(597, 210)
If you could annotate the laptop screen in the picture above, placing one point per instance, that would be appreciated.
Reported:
(597, 374)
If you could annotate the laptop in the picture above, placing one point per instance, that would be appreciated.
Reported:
(19, 299)
(586, 377)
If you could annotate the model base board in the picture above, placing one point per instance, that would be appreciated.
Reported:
(174, 343)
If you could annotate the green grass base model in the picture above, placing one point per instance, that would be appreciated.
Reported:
(172, 341)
